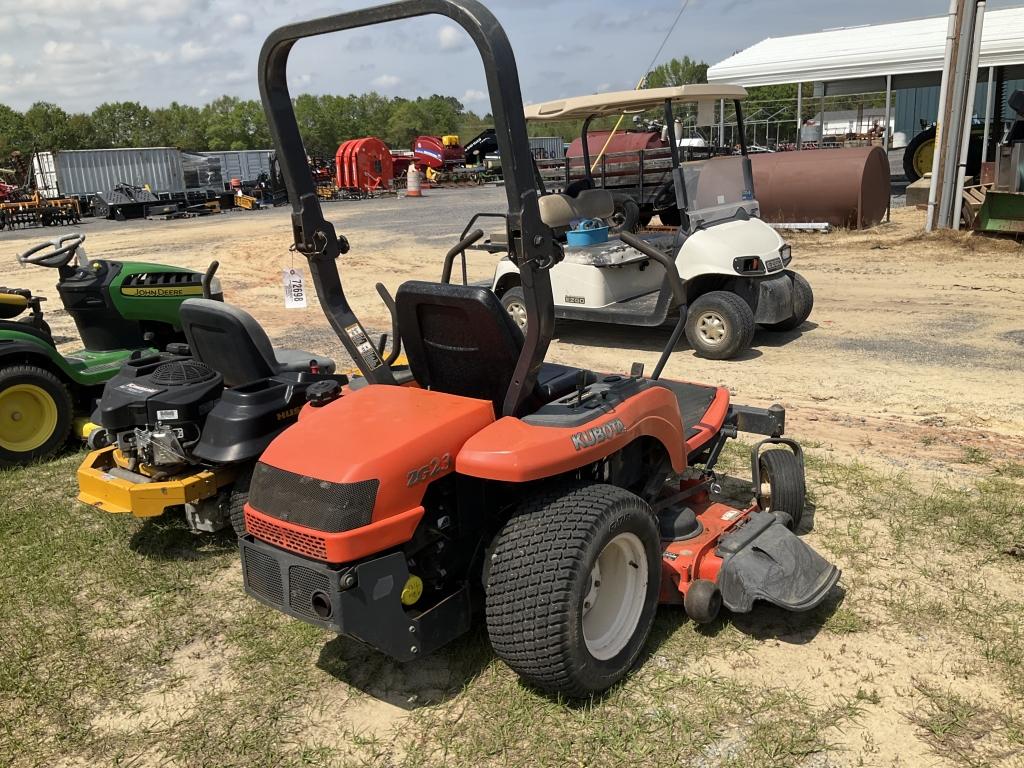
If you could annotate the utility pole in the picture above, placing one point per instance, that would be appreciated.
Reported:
(956, 104)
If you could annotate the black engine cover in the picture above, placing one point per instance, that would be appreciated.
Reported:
(168, 389)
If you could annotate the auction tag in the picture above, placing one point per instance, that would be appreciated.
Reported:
(294, 289)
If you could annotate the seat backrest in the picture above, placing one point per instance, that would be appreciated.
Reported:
(228, 340)
(458, 339)
(559, 210)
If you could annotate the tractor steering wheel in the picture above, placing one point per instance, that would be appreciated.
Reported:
(64, 249)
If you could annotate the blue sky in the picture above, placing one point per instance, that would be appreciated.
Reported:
(80, 53)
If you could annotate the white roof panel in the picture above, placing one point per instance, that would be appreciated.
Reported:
(627, 102)
(870, 51)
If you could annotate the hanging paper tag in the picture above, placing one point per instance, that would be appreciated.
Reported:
(294, 289)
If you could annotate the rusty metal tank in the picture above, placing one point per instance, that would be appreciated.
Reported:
(843, 187)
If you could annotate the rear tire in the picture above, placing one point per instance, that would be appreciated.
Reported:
(237, 498)
(781, 485)
(35, 414)
(803, 303)
(719, 325)
(572, 587)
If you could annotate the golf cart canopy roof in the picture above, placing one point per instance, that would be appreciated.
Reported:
(629, 102)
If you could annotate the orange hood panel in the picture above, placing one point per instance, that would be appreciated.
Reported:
(404, 437)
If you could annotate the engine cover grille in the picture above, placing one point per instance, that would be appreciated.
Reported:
(179, 372)
(263, 575)
(303, 543)
(311, 502)
(302, 583)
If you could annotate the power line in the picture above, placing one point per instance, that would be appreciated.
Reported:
(664, 42)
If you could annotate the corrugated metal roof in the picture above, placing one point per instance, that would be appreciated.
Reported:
(870, 51)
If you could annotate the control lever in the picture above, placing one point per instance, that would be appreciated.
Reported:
(678, 293)
(581, 386)
(207, 281)
(396, 343)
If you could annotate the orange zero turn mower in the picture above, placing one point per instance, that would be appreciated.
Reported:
(561, 504)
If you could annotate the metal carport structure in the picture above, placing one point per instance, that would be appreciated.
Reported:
(875, 58)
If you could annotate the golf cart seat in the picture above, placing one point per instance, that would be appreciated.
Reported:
(231, 342)
(461, 341)
(559, 210)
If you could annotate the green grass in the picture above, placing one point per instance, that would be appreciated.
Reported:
(131, 643)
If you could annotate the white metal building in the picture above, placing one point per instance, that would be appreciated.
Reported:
(904, 59)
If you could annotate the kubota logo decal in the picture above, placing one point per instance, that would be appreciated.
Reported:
(591, 437)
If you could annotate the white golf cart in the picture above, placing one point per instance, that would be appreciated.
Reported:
(734, 265)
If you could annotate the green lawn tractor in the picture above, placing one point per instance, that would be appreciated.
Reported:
(119, 308)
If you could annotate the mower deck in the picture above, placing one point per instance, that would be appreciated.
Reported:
(98, 486)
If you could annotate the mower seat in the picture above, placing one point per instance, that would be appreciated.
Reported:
(461, 341)
(231, 342)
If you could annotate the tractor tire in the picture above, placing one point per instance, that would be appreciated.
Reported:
(781, 486)
(703, 601)
(514, 302)
(35, 415)
(803, 303)
(548, 615)
(626, 217)
(237, 497)
(719, 325)
(917, 157)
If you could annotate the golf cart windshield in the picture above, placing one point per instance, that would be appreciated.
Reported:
(717, 188)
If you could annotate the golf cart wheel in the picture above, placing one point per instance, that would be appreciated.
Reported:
(703, 601)
(781, 486)
(35, 414)
(719, 325)
(237, 497)
(514, 303)
(626, 216)
(572, 587)
(803, 303)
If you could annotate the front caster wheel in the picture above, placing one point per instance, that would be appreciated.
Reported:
(781, 486)
(703, 601)
(572, 587)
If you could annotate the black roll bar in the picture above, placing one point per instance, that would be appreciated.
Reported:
(531, 242)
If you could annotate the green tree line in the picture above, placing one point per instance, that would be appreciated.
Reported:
(230, 123)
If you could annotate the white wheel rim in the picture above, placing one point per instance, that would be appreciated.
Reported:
(712, 328)
(517, 312)
(612, 606)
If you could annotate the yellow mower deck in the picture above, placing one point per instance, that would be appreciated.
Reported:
(100, 489)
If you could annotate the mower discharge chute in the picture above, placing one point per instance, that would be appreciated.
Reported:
(120, 309)
(563, 504)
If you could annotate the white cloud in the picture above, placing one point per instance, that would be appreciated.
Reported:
(386, 81)
(451, 39)
(473, 95)
(191, 51)
(239, 22)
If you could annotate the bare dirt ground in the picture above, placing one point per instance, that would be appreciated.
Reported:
(911, 364)
(913, 352)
